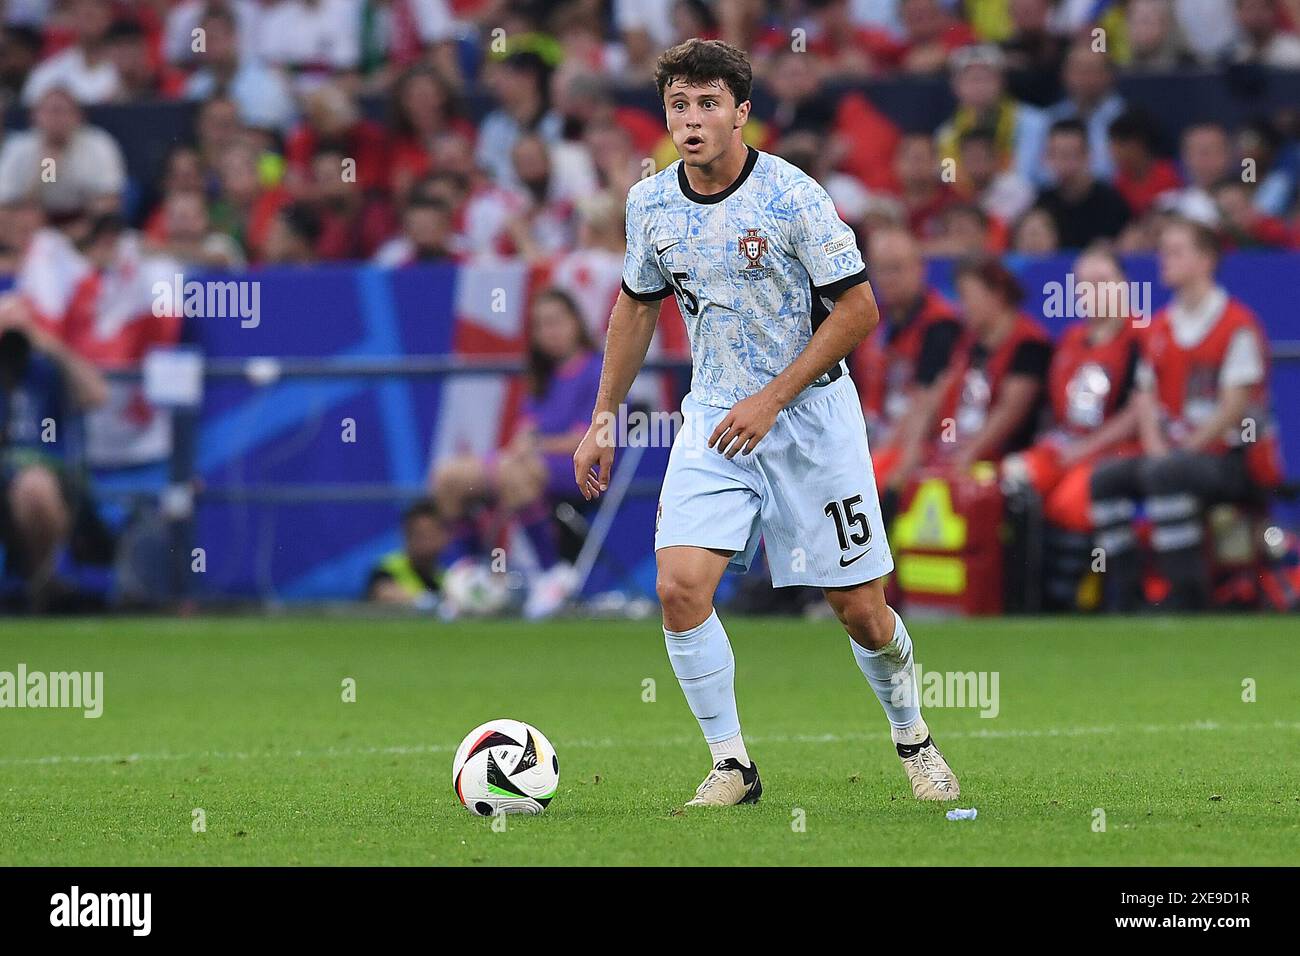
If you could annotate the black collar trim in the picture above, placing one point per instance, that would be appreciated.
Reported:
(712, 198)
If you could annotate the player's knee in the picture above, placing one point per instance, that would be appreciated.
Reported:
(684, 604)
(866, 616)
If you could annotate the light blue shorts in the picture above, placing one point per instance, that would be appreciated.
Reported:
(808, 490)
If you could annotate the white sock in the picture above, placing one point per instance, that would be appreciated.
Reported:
(706, 669)
(731, 747)
(893, 678)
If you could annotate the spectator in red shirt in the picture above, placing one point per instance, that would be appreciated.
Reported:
(333, 120)
(1140, 176)
(924, 194)
(422, 108)
(354, 221)
(1242, 225)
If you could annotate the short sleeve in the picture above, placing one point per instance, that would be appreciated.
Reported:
(1244, 363)
(823, 242)
(642, 279)
(1031, 358)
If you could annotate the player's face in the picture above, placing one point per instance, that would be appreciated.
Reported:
(702, 120)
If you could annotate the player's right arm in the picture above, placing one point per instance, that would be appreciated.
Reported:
(631, 327)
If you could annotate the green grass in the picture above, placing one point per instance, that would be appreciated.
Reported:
(1141, 718)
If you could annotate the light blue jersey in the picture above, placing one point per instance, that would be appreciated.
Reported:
(753, 268)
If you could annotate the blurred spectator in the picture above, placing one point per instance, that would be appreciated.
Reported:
(139, 78)
(1206, 158)
(295, 230)
(992, 389)
(1155, 40)
(20, 50)
(1019, 130)
(519, 85)
(332, 120)
(859, 139)
(114, 319)
(903, 358)
(84, 69)
(931, 33)
(186, 16)
(1243, 226)
(261, 94)
(965, 230)
(70, 166)
(924, 192)
(422, 109)
(1035, 234)
(837, 43)
(314, 40)
(426, 236)
(1089, 386)
(1001, 194)
(411, 575)
(1083, 208)
(1091, 99)
(244, 207)
(217, 132)
(406, 33)
(1140, 176)
(1208, 26)
(518, 483)
(354, 221)
(1204, 372)
(1034, 52)
(41, 382)
(1276, 165)
(646, 27)
(187, 237)
(534, 220)
(592, 273)
(1261, 38)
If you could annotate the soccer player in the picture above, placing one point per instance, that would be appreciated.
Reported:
(774, 293)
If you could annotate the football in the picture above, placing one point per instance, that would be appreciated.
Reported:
(471, 589)
(505, 766)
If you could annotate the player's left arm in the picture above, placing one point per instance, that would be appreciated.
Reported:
(828, 250)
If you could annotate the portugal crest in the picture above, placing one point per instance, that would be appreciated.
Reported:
(753, 247)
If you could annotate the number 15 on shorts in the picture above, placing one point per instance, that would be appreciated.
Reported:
(846, 516)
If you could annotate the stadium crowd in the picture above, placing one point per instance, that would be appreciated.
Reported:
(414, 131)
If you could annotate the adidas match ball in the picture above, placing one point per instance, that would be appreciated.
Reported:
(505, 766)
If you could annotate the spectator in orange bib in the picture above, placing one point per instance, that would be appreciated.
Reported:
(992, 391)
(1206, 430)
(905, 355)
(1089, 387)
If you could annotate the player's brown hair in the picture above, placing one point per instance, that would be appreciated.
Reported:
(700, 62)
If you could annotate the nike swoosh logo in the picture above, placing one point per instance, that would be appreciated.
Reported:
(660, 250)
(845, 564)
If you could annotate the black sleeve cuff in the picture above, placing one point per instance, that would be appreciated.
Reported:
(840, 286)
(655, 296)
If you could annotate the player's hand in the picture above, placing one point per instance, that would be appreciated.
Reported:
(745, 425)
(592, 462)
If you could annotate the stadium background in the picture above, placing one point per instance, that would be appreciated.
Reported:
(285, 512)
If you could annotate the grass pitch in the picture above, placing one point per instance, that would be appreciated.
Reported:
(1141, 720)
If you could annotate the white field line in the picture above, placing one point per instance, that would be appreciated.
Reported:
(609, 742)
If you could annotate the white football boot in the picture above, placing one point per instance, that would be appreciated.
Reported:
(931, 777)
(729, 783)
